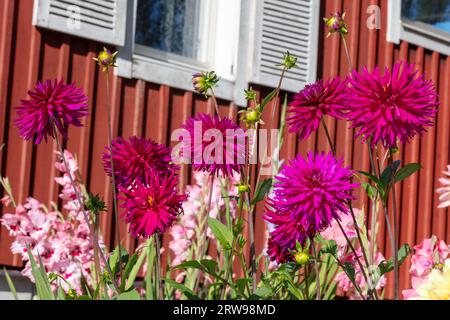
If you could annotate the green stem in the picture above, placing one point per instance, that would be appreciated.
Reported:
(349, 60)
(113, 175)
(159, 288)
(316, 266)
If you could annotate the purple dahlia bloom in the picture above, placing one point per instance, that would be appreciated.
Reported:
(50, 101)
(313, 102)
(308, 195)
(136, 159)
(152, 207)
(391, 107)
(202, 147)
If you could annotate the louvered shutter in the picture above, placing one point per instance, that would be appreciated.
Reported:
(286, 25)
(100, 20)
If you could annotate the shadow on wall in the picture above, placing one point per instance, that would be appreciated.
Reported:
(25, 288)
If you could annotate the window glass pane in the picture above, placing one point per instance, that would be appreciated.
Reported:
(168, 25)
(433, 12)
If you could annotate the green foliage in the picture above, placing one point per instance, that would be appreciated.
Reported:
(11, 286)
(388, 265)
(262, 190)
(221, 232)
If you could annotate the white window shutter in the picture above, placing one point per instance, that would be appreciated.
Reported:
(286, 25)
(99, 20)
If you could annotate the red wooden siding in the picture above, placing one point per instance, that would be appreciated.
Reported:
(154, 111)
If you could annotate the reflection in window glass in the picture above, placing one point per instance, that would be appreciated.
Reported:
(433, 12)
(168, 25)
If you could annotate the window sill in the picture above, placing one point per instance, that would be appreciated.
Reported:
(425, 36)
(175, 74)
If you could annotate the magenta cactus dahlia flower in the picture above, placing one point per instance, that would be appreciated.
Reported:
(136, 159)
(391, 107)
(313, 102)
(204, 131)
(153, 207)
(50, 101)
(309, 194)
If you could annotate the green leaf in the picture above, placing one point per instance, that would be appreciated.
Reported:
(42, 285)
(330, 248)
(388, 265)
(370, 190)
(130, 295)
(209, 265)
(370, 176)
(406, 171)
(135, 270)
(241, 284)
(183, 289)
(222, 234)
(11, 286)
(349, 270)
(262, 190)
(126, 271)
(263, 292)
(205, 265)
(267, 99)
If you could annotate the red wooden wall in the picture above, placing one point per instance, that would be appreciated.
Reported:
(152, 110)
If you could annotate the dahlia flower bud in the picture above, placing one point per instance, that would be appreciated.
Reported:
(289, 61)
(251, 116)
(250, 94)
(95, 204)
(243, 188)
(336, 23)
(106, 59)
(204, 81)
(301, 258)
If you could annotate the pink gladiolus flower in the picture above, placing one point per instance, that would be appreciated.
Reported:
(444, 191)
(50, 102)
(428, 255)
(391, 107)
(64, 245)
(333, 232)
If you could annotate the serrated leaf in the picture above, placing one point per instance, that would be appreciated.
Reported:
(407, 171)
(221, 232)
(183, 289)
(262, 190)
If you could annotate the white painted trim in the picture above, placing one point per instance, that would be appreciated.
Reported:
(394, 21)
(42, 17)
(175, 75)
(414, 32)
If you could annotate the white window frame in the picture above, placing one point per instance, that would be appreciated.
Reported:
(141, 62)
(415, 32)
